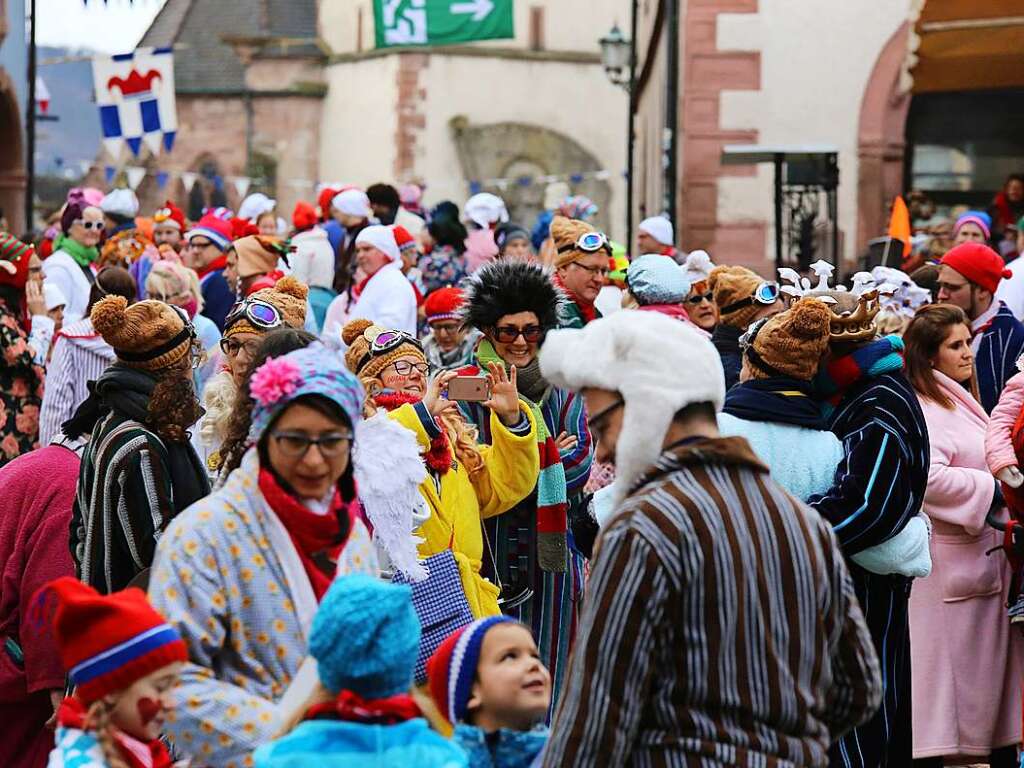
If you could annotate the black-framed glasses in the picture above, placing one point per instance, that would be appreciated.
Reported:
(231, 347)
(709, 297)
(508, 334)
(405, 368)
(596, 422)
(198, 244)
(260, 313)
(295, 445)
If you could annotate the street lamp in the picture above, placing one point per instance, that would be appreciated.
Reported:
(616, 52)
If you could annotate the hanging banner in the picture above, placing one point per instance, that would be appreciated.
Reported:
(135, 96)
(441, 22)
(188, 180)
(135, 174)
(242, 185)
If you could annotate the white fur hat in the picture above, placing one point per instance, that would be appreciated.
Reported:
(656, 363)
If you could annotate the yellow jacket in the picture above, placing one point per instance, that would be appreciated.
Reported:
(511, 467)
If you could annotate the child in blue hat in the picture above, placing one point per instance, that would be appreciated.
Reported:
(365, 638)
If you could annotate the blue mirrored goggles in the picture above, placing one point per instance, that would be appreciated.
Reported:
(260, 313)
(588, 242)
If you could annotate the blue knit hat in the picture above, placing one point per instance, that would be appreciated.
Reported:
(313, 370)
(656, 279)
(451, 670)
(365, 637)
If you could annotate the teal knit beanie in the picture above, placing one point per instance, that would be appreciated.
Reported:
(365, 637)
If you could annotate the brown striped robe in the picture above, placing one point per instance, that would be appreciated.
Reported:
(720, 628)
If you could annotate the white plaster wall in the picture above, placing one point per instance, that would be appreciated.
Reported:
(357, 137)
(574, 99)
(816, 59)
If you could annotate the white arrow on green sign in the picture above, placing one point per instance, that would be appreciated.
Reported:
(441, 22)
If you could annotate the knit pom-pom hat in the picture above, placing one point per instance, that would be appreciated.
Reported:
(791, 343)
(564, 233)
(148, 335)
(313, 370)
(365, 636)
(732, 286)
(451, 669)
(505, 287)
(288, 296)
(106, 642)
(360, 356)
(444, 304)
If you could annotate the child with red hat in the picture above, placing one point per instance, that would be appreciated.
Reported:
(123, 659)
(450, 344)
(169, 226)
(488, 682)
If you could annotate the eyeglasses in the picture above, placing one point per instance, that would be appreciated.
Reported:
(594, 271)
(588, 242)
(198, 244)
(596, 423)
(765, 294)
(231, 348)
(87, 225)
(509, 334)
(405, 368)
(709, 296)
(445, 327)
(257, 311)
(295, 445)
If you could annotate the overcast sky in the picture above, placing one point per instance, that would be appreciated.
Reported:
(114, 27)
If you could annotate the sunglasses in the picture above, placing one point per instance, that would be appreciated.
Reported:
(508, 334)
(258, 312)
(88, 225)
(295, 445)
(588, 242)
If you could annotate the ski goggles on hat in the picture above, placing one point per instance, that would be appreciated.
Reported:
(261, 314)
(765, 294)
(384, 342)
(588, 242)
(747, 347)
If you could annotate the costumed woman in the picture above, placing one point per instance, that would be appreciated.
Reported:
(466, 482)
(538, 558)
(70, 266)
(240, 573)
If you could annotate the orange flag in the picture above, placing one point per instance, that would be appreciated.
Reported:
(899, 224)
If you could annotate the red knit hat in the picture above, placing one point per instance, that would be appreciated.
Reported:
(107, 642)
(14, 258)
(242, 228)
(978, 263)
(404, 240)
(323, 201)
(304, 216)
(170, 216)
(444, 304)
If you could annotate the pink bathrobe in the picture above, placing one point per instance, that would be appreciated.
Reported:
(999, 451)
(966, 663)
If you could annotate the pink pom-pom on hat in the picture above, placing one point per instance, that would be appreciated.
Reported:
(274, 381)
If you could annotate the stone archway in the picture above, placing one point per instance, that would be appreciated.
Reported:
(12, 157)
(881, 140)
(517, 150)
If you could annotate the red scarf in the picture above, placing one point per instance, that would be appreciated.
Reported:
(353, 708)
(219, 263)
(439, 457)
(138, 754)
(316, 537)
(587, 308)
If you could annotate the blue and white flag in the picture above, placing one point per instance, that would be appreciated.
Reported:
(135, 96)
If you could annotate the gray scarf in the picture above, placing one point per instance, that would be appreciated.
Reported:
(530, 383)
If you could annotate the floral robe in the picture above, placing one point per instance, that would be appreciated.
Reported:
(228, 577)
(21, 390)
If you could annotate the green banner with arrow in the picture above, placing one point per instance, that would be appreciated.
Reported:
(441, 22)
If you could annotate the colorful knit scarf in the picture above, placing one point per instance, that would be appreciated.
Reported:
(84, 255)
(439, 457)
(134, 753)
(552, 501)
(870, 361)
(586, 308)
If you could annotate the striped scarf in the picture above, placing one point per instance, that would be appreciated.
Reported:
(881, 356)
(552, 500)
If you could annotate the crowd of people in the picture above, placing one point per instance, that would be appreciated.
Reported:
(445, 489)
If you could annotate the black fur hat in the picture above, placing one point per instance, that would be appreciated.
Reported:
(507, 288)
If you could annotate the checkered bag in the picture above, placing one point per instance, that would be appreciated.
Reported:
(440, 602)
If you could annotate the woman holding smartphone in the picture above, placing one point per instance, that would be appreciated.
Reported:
(540, 546)
(466, 482)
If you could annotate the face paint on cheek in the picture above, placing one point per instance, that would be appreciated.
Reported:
(148, 709)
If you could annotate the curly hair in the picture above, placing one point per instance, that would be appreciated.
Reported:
(173, 407)
(236, 440)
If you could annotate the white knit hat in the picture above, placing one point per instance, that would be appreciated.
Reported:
(659, 228)
(352, 202)
(121, 202)
(656, 363)
(698, 266)
(382, 238)
(255, 205)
